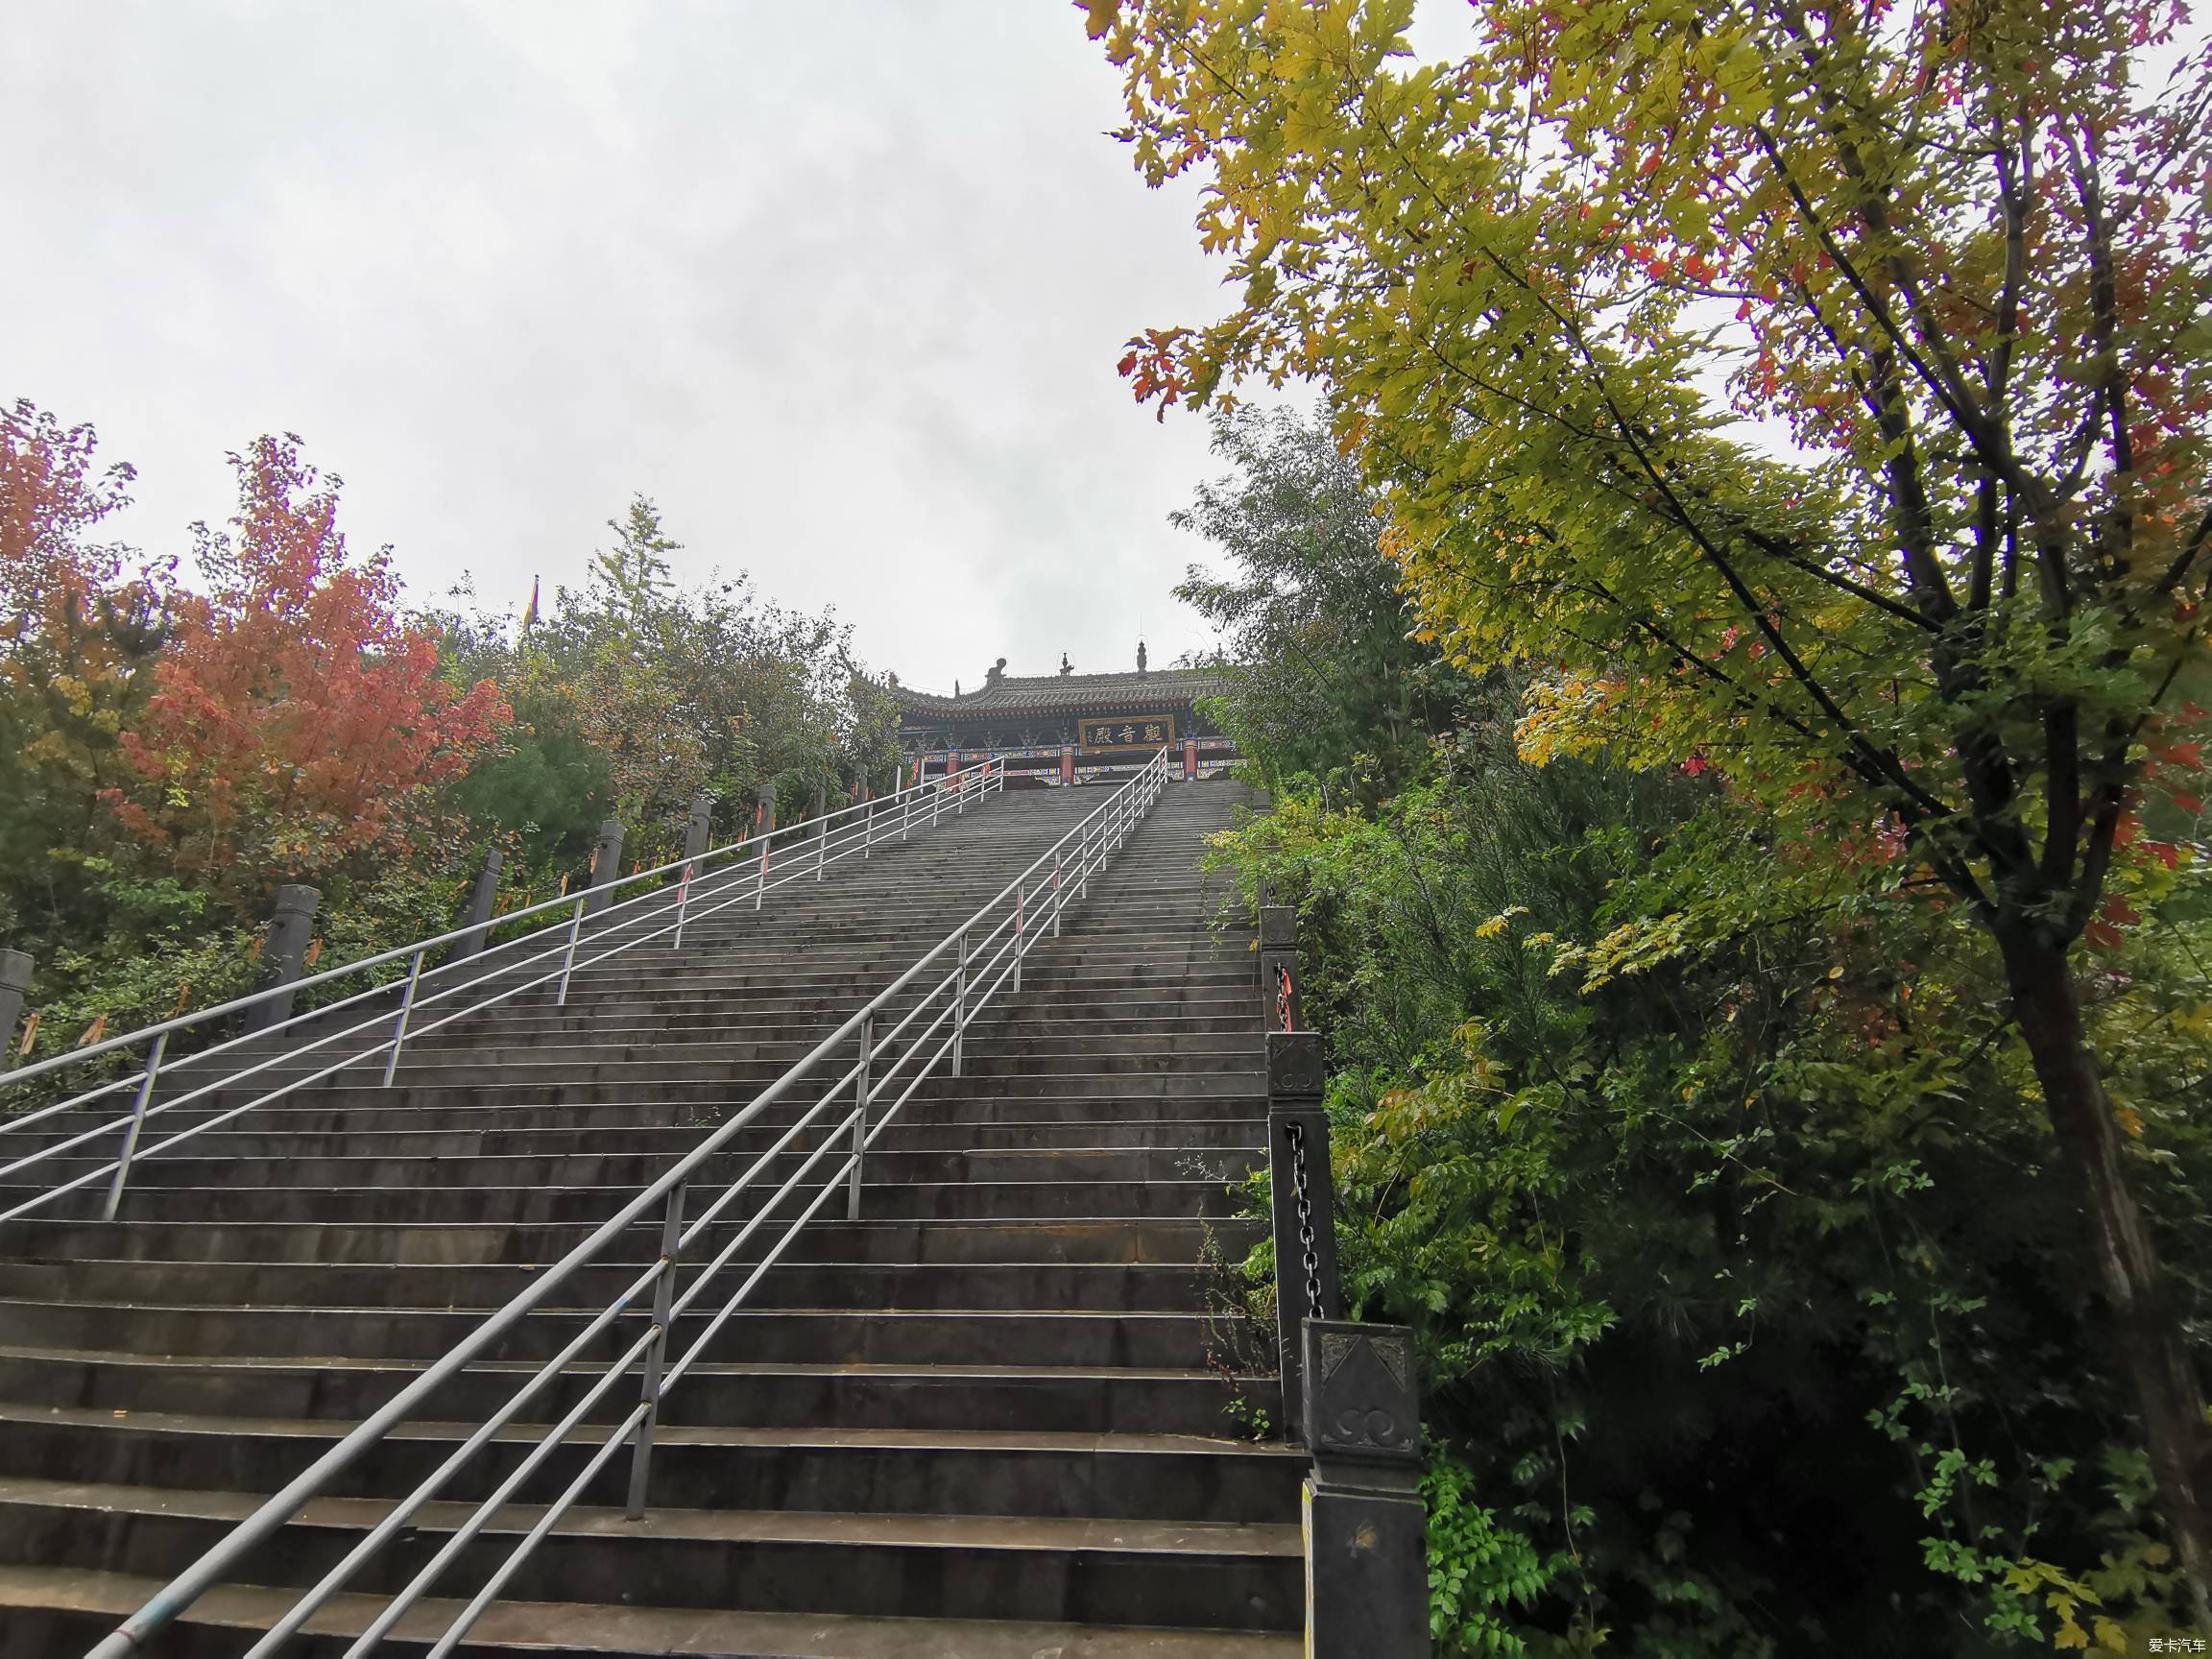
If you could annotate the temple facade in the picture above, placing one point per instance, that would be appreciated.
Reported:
(1057, 730)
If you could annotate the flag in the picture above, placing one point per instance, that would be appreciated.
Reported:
(530, 611)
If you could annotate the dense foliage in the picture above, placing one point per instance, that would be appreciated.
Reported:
(1318, 634)
(1817, 398)
(1710, 1171)
(173, 749)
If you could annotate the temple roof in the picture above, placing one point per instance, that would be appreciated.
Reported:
(1053, 693)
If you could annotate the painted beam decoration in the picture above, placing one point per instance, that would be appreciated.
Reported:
(1126, 730)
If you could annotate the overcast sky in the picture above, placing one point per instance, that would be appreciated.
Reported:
(840, 285)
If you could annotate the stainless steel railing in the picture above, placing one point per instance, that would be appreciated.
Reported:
(741, 874)
(979, 958)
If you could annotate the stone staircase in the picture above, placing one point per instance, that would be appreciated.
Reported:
(979, 1422)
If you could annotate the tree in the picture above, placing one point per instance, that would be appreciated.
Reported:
(1326, 677)
(298, 718)
(1956, 253)
(78, 639)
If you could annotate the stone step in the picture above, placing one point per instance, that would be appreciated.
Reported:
(1153, 1239)
(49, 1611)
(1079, 1570)
(942, 1102)
(374, 1135)
(1025, 1338)
(1090, 1286)
(438, 1206)
(952, 1396)
(852, 1471)
(630, 1170)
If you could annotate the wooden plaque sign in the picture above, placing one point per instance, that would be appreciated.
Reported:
(1126, 730)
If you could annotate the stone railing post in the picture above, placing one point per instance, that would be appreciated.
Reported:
(283, 952)
(1348, 1390)
(821, 799)
(1278, 968)
(476, 915)
(764, 810)
(699, 826)
(606, 867)
(14, 986)
(1303, 1199)
(1366, 1552)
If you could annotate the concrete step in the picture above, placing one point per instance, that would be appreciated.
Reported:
(49, 1611)
(1033, 1336)
(1082, 1571)
(1113, 1239)
(914, 1396)
(1088, 1286)
(837, 1470)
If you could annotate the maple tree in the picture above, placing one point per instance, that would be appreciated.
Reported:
(298, 716)
(1814, 396)
(79, 634)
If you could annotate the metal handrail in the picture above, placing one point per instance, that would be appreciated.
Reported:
(1055, 876)
(859, 828)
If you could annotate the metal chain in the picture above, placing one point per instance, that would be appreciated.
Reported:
(1283, 995)
(1304, 1202)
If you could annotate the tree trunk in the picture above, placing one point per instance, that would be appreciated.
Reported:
(2147, 1331)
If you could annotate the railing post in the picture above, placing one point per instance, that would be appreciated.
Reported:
(697, 828)
(860, 1114)
(283, 951)
(146, 1081)
(764, 826)
(656, 1356)
(1366, 1556)
(821, 827)
(407, 1007)
(568, 960)
(14, 986)
(1020, 939)
(682, 904)
(1058, 903)
(960, 1004)
(905, 815)
(606, 867)
(1302, 1200)
(1278, 967)
(476, 917)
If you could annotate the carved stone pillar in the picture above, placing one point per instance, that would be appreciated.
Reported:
(1366, 1553)
(283, 952)
(699, 826)
(606, 867)
(14, 985)
(476, 914)
(1301, 1202)
(1278, 968)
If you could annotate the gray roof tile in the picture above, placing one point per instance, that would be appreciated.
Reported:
(1037, 693)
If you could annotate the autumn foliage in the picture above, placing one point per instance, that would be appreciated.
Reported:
(1831, 390)
(298, 716)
